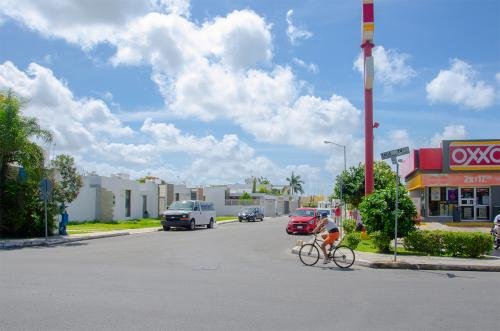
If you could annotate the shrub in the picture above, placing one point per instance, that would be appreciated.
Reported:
(378, 212)
(381, 241)
(459, 244)
(352, 239)
(349, 226)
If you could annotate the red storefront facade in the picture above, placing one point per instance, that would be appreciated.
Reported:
(459, 181)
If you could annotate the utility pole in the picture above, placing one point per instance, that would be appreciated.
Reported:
(367, 45)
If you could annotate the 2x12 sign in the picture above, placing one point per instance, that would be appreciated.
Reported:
(395, 153)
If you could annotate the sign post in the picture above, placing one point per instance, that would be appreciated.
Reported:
(393, 155)
(45, 194)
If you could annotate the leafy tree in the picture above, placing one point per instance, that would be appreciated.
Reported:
(264, 180)
(378, 211)
(67, 188)
(352, 182)
(20, 207)
(263, 189)
(245, 196)
(295, 184)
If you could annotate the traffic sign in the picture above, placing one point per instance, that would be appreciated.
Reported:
(395, 153)
(45, 189)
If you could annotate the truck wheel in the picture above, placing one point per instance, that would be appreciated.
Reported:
(192, 225)
(211, 224)
(166, 228)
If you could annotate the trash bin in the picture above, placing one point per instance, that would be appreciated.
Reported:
(63, 223)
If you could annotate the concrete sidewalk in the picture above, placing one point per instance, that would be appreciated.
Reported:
(58, 240)
(386, 261)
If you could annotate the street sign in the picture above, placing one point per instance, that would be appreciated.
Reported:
(45, 189)
(395, 153)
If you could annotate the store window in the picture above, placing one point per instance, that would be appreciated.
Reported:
(443, 201)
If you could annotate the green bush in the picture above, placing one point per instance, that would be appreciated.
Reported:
(378, 212)
(381, 241)
(349, 226)
(449, 243)
(352, 239)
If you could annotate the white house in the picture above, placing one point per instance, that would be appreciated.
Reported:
(114, 198)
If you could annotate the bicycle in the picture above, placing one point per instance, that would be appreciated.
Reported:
(342, 256)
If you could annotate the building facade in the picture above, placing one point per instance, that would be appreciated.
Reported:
(114, 198)
(460, 181)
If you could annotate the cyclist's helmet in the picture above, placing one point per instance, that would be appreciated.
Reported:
(324, 214)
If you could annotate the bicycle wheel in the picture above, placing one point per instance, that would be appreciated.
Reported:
(309, 254)
(343, 257)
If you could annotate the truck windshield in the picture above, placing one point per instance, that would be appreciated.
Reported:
(182, 205)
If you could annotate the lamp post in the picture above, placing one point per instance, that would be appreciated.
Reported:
(345, 168)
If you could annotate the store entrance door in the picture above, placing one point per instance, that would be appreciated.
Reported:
(474, 204)
(466, 204)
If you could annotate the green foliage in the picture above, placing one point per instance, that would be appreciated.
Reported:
(449, 243)
(21, 211)
(349, 226)
(67, 188)
(264, 180)
(352, 182)
(295, 184)
(352, 239)
(379, 209)
(381, 241)
(245, 196)
(263, 189)
(276, 191)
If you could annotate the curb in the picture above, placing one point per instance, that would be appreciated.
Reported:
(15, 244)
(418, 266)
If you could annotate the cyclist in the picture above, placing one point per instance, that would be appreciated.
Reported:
(329, 225)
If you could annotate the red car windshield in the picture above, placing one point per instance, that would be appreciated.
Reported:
(299, 212)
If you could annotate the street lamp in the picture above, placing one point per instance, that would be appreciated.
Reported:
(345, 169)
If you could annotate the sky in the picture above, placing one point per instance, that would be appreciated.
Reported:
(212, 92)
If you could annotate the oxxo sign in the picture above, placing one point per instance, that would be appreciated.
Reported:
(484, 155)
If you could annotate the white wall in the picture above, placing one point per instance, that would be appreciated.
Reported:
(87, 206)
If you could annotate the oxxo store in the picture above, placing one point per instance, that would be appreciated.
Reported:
(459, 181)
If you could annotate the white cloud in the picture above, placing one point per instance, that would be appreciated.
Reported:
(311, 67)
(450, 132)
(295, 34)
(77, 123)
(497, 77)
(86, 22)
(459, 86)
(88, 130)
(391, 67)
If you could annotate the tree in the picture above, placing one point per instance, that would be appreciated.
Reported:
(378, 211)
(19, 203)
(352, 182)
(67, 188)
(264, 180)
(245, 196)
(295, 184)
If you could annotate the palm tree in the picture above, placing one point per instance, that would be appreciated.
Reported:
(295, 184)
(16, 145)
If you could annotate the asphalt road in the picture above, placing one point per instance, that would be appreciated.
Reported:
(239, 276)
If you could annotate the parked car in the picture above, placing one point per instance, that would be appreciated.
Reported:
(328, 211)
(251, 214)
(188, 214)
(303, 220)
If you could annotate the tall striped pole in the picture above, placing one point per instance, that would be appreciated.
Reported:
(367, 45)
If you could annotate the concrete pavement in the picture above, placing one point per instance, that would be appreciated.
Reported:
(372, 260)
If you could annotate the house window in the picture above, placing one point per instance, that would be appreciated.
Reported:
(127, 203)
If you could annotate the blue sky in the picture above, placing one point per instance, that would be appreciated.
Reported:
(211, 92)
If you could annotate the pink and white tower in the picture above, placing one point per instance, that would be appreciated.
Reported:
(367, 45)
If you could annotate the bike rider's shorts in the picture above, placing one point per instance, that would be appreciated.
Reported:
(331, 237)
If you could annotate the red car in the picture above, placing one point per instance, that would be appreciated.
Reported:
(303, 220)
